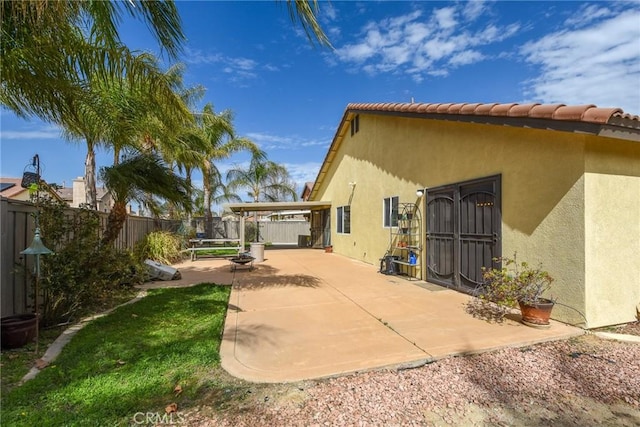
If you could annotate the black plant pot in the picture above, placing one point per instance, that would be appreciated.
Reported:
(18, 330)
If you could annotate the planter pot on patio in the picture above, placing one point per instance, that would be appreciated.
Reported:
(537, 315)
(18, 330)
(328, 249)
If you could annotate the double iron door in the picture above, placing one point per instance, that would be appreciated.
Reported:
(463, 232)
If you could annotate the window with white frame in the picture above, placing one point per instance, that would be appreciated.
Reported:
(390, 211)
(344, 219)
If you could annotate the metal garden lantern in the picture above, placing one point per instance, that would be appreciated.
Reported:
(36, 248)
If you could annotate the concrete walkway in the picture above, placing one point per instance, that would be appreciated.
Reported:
(304, 314)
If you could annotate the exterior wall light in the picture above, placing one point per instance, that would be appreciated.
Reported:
(419, 193)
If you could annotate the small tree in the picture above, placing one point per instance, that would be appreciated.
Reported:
(134, 179)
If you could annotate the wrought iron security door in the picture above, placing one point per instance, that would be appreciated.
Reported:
(463, 232)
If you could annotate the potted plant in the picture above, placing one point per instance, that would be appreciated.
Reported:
(518, 284)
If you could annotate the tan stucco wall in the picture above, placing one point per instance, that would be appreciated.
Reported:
(612, 223)
(543, 190)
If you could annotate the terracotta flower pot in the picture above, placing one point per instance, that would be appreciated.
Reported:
(537, 314)
(18, 330)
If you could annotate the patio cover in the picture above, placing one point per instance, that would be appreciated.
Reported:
(239, 208)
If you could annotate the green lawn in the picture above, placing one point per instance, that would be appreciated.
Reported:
(218, 252)
(127, 363)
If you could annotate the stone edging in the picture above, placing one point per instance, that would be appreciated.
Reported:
(618, 337)
(56, 347)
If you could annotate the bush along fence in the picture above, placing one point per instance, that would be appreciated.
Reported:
(84, 228)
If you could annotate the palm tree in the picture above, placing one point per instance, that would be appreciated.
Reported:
(117, 113)
(219, 193)
(216, 134)
(265, 179)
(45, 54)
(55, 54)
(132, 180)
(305, 13)
(49, 49)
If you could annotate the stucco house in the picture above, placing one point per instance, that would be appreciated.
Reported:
(75, 195)
(559, 185)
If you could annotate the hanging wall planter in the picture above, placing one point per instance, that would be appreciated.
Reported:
(18, 330)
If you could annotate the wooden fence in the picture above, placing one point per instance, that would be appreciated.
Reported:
(17, 228)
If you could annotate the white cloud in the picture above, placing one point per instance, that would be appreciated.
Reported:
(597, 64)
(238, 69)
(446, 17)
(420, 45)
(243, 63)
(473, 9)
(268, 141)
(358, 52)
(303, 172)
(46, 132)
(196, 56)
(587, 14)
(466, 57)
(328, 11)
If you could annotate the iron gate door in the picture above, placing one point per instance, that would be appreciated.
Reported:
(463, 232)
(441, 235)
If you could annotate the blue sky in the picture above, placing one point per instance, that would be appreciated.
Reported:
(288, 95)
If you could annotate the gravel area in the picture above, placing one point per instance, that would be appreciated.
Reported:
(583, 381)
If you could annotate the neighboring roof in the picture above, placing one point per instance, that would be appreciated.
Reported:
(11, 187)
(308, 186)
(275, 206)
(590, 119)
(66, 193)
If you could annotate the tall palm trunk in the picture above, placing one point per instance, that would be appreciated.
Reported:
(90, 191)
(208, 216)
(115, 222)
(187, 177)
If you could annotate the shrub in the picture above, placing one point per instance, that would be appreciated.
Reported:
(161, 246)
(514, 282)
(504, 287)
(81, 276)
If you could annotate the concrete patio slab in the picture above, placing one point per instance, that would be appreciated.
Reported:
(304, 314)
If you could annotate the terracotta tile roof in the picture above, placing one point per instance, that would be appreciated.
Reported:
(590, 119)
(560, 112)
